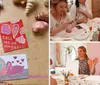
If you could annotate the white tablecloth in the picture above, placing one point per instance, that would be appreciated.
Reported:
(83, 80)
(87, 80)
(64, 36)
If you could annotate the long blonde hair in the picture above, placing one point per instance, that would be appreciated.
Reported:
(84, 49)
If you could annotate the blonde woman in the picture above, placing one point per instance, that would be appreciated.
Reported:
(86, 65)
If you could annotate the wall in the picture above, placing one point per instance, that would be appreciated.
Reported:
(94, 51)
(63, 50)
(90, 4)
(53, 54)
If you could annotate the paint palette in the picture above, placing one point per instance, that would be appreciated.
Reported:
(13, 67)
(13, 36)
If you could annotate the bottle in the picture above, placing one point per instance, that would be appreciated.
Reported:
(98, 32)
(95, 36)
(99, 35)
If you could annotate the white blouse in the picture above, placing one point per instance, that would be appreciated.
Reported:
(85, 8)
(54, 23)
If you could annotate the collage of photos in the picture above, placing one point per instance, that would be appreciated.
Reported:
(24, 44)
(74, 42)
(49, 42)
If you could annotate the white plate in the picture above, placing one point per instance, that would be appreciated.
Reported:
(93, 78)
(60, 38)
(81, 37)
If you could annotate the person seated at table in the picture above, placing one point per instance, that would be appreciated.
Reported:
(86, 65)
(59, 18)
(83, 13)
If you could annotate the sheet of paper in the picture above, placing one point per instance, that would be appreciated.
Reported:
(13, 67)
(13, 36)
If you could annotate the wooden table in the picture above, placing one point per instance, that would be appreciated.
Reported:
(37, 53)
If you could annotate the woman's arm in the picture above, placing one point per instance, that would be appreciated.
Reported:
(93, 69)
(54, 31)
(86, 13)
(92, 64)
(82, 20)
(58, 29)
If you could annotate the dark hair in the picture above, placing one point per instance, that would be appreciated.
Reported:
(53, 3)
(84, 49)
(77, 3)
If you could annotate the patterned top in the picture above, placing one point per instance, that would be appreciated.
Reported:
(84, 67)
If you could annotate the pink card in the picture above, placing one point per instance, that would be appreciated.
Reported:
(3, 83)
(13, 67)
(13, 36)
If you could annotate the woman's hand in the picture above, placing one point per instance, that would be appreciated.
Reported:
(74, 23)
(86, 13)
(85, 20)
(82, 20)
(92, 64)
(71, 26)
(95, 61)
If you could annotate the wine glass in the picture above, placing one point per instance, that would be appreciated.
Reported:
(90, 25)
(90, 28)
